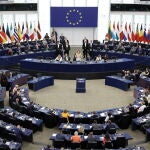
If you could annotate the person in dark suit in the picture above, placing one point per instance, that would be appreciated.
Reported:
(96, 126)
(59, 48)
(91, 49)
(91, 138)
(54, 36)
(67, 48)
(4, 81)
(46, 36)
(62, 39)
(109, 126)
(30, 106)
(18, 133)
(66, 57)
(85, 47)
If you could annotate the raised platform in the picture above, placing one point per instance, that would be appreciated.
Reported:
(73, 70)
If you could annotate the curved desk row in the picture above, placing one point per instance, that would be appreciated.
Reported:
(11, 60)
(143, 60)
(77, 69)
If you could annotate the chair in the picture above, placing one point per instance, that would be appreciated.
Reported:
(124, 121)
(58, 143)
(108, 145)
(120, 142)
(4, 147)
(91, 145)
(112, 131)
(75, 145)
(28, 124)
(98, 132)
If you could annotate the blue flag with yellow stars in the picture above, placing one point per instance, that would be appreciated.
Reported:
(74, 16)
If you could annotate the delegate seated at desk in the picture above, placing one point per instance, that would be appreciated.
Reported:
(76, 138)
(96, 126)
(106, 139)
(66, 57)
(91, 138)
(141, 108)
(59, 58)
(110, 126)
(78, 56)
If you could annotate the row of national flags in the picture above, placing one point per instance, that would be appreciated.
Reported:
(117, 32)
(20, 32)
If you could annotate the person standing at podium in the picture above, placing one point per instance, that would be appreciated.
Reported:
(85, 47)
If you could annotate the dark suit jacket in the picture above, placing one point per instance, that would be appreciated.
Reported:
(85, 44)
(110, 126)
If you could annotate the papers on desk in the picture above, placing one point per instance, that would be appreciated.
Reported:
(101, 138)
(42, 108)
(68, 126)
(8, 127)
(89, 115)
(85, 137)
(54, 134)
(103, 114)
(30, 119)
(71, 115)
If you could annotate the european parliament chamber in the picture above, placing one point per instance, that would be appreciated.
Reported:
(74, 74)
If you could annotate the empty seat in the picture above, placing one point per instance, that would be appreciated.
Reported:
(75, 145)
(91, 145)
(58, 143)
(120, 142)
(108, 145)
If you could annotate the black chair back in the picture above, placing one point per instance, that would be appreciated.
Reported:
(59, 143)
(120, 142)
(112, 131)
(108, 145)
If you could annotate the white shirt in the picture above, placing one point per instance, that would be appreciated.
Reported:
(141, 108)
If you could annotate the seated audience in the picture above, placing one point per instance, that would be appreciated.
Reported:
(96, 126)
(58, 58)
(91, 138)
(141, 108)
(78, 56)
(76, 138)
(46, 37)
(81, 130)
(3, 80)
(98, 58)
(110, 125)
(106, 139)
(66, 57)
(10, 52)
(16, 87)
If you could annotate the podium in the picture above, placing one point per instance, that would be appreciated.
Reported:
(80, 85)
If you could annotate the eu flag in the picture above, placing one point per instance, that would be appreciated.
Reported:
(74, 16)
